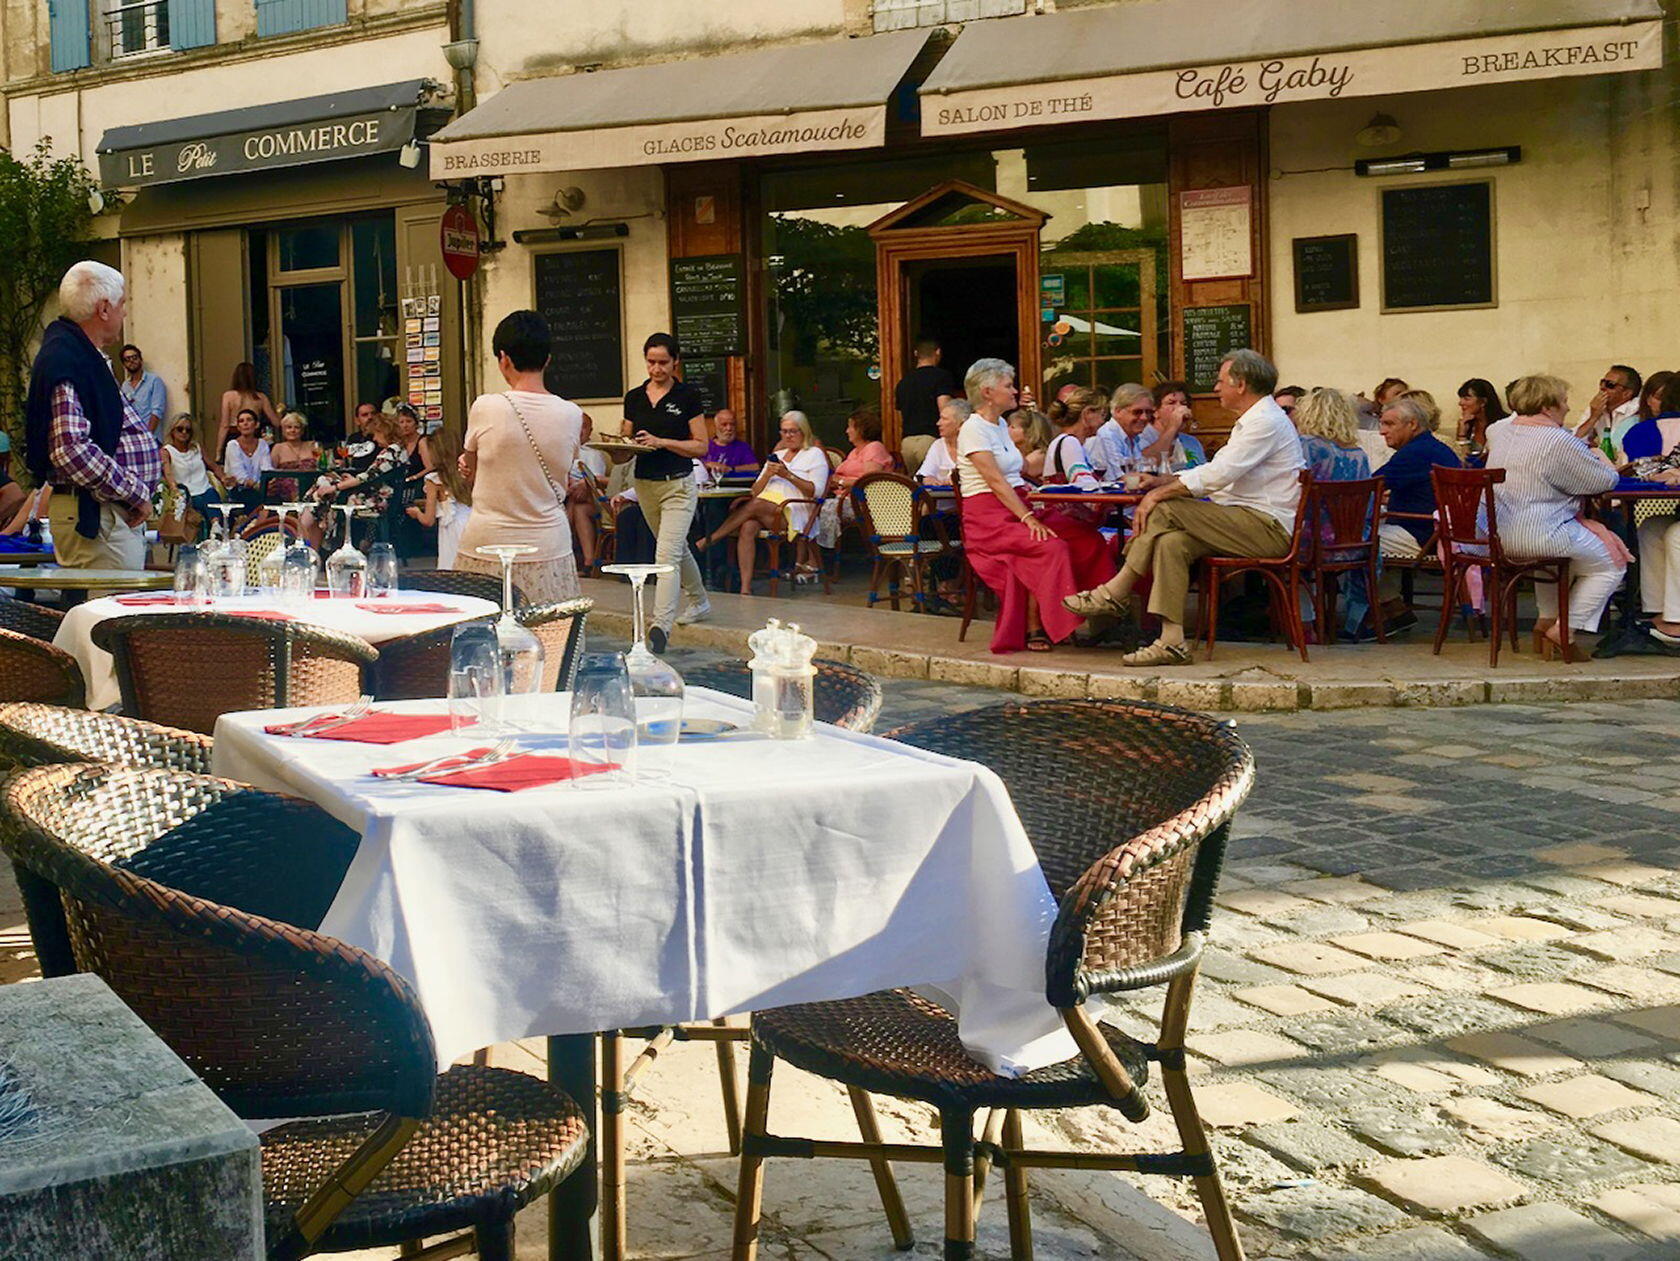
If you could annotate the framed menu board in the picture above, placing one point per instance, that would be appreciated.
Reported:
(711, 378)
(1326, 272)
(1211, 333)
(708, 304)
(580, 294)
(1437, 246)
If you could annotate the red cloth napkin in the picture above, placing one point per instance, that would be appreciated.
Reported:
(388, 607)
(379, 728)
(528, 770)
(144, 599)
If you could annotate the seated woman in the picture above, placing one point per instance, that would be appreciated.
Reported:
(246, 460)
(1029, 430)
(941, 457)
(1547, 471)
(1017, 555)
(370, 490)
(796, 469)
(1478, 407)
(448, 502)
(868, 455)
(1660, 433)
(1076, 418)
(184, 465)
(294, 450)
(585, 483)
(1329, 429)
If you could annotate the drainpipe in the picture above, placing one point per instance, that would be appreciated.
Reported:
(462, 55)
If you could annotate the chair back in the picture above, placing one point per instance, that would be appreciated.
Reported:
(33, 670)
(460, 582)
(46, 735)
(1130, 830)
(560, 628)
(185, 894)
(1343, 518)
(35, 620)
(416, 667)
(889, 508)
(188, 669)
(1465, 510)
(844, 695)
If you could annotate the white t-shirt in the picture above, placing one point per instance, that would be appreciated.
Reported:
(186, 468)
(810, 463)
(937, 465)
(1067, 462)
(513, 501)
(980, 434)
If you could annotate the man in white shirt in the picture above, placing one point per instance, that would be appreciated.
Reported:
(1252, 488)
(1615, 404)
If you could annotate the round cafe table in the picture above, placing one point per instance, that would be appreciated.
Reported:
(75, 633)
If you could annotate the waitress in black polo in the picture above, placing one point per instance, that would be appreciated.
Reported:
(668, 417)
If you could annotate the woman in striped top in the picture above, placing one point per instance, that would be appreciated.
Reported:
(1547, 471)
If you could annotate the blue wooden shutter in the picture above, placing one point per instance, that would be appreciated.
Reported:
(192, 23)
(71, 48)
(277, 17)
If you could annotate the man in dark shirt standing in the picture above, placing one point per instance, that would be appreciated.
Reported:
(920, 397)
(668, 416)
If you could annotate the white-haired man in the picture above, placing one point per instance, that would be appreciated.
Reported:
(84, 439)
(1252, 488)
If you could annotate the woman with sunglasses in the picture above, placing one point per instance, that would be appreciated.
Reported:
(185, 466)
(796, 469)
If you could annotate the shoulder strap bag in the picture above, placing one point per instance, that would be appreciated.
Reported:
(559, 494)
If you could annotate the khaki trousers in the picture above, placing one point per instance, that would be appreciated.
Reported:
(1180, 532)
(668, 508)
(913, 450)
(119, 545)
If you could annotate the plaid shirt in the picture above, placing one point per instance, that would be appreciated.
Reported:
(127, 478)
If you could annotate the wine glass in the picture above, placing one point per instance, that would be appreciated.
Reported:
(347, 567)
(382, 570)
(226, 559)
(192, 576)
(522, 652)
(475, 678)
(603, 720)
(298, 568)
(657, 685)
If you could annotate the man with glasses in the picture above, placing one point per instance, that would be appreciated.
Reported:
(1119, 444)
(144, 390)
(1617, 401)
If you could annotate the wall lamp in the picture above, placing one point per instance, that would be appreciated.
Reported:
(1418, 163)
(578, 232)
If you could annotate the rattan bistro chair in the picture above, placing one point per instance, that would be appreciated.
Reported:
(416, 667)
(890, 510)
(1131, 844)
(844, 695)
(460, 582)
(559, 626)
(35, 620)
(186, 895)
(188, 669)
(33, 670)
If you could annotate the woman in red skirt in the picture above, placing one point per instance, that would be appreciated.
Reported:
(1021, 558)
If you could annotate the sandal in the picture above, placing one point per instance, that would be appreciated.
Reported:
(1158, 654)
(1038, 641)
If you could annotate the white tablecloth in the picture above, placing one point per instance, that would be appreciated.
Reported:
(75, 633)
(757, 873)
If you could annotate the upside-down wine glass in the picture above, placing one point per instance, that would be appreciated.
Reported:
(657, 685)
(522, 652)
(299, 570)
(227, 559)
(347, 567)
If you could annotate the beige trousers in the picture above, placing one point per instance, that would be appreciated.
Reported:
(119, 545)
(668, 508)
(913, 450)
(1180, 532)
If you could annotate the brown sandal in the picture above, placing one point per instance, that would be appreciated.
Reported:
(1038, 641)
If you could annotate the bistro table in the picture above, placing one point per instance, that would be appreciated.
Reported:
(1628, 637)
(729, 879)
(79, 582)
(75, 632)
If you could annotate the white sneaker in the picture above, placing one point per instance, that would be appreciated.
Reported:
(694, 611)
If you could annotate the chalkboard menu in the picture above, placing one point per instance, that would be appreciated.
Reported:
(1326, 272)
(708, 304)
(1211, 333)
(711, 378)
(580, 295)
(1437, 246)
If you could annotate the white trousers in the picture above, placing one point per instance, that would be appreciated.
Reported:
(1397, 540)
(1659, 567)
(1593, 579)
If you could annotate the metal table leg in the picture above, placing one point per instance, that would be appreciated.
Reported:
(571, 1205)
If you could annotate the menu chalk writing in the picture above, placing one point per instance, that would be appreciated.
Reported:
(580, 294)
(1326, 272)
(708, 304)
(1211, 333)
(711, 378)
(1437, 246)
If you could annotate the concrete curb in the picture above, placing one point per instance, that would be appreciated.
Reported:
(1247, 691)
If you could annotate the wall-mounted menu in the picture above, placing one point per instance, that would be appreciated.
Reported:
(580, 294)
(1211, 333)
(1437, 246)
(708, 304)
(711, 378)
(1326, 272)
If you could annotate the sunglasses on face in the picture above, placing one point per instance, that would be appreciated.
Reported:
(1608, 384)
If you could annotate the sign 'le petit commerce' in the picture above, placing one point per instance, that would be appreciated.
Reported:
(1271, 81)
(265, 149)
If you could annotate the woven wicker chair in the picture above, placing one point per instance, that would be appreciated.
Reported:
(1131, 844)
(35, 620)
(184, 893)
(460, 582)
(32, 670)
(560, 628)
(416, 667)
(845, 695)
(188, 669)
(890, 510)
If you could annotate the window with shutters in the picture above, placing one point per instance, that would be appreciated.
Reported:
(131, 27)
(898, 15)
(281, 17)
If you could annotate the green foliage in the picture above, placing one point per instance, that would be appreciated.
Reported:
(825, 287)
(44, 221)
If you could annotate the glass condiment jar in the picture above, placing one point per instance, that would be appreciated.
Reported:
(783, 680)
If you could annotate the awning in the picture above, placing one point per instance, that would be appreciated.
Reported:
(1170, 56)
(348, 124)
(807, 98)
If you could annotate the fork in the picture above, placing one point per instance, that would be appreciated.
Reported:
(501, 751)
(326, 722)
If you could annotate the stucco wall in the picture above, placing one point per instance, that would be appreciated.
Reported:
(156, 270)
(1585, 231)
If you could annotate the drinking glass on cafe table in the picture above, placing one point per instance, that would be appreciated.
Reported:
(475, 679)
(192, 576)
(603, 722)
(381, 570)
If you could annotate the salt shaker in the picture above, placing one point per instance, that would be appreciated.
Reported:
(783, 681)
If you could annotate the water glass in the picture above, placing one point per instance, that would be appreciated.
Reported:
(603, 723)
(298, 576)
(192, 576)
(475, 678)
(381, 570)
